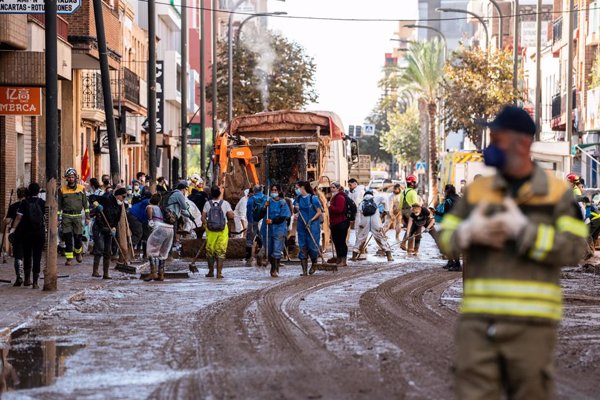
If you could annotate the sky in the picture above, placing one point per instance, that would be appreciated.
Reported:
(349, 55)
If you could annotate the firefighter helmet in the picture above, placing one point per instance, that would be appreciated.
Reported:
(70, 171)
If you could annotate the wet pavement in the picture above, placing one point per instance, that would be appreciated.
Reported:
(377, 329)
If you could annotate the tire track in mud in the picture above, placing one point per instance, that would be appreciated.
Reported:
(408, 312)
(269, 351)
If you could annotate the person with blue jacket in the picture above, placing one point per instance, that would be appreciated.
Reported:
(276, 215)
(255, 203)
(309, 210)
(138, 224)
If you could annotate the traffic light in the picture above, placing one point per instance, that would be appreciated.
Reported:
(358, 131)
(351, 130)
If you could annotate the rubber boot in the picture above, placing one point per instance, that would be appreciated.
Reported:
(68, 262)
(304, 264)
(343, 262)
(220, 262)
(35, 282)
(153, 275)
(105, 267)
(248, 255)
(416, 248)
(448, 265)
(96, 267)
(273, 268)
(79, 256)
(18, 272)
(313, 266)
(388, 254)
(161, 271)
(333, 260)
(354, 256)
(211, 267)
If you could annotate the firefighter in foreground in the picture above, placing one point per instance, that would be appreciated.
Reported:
(516, 230)
(72, 200)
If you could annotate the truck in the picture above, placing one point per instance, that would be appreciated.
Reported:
(283, 147)
(361, 171)
(459, 168)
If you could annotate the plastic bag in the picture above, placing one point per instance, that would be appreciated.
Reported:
(160, 241)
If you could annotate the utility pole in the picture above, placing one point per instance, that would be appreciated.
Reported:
(203, 46)
(538, 70)
(184, 91)
(214, 71)
(569, 90)
(107, 94)
(516, 46)
(50, 272)
(152, 91)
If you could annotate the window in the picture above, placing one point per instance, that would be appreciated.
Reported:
(593, 17)
(179, 78)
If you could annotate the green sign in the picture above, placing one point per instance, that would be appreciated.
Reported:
(195, 131)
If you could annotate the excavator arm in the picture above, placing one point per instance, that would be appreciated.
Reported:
(225, 150)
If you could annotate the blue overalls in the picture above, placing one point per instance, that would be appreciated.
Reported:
(277, 210)
(308, 206)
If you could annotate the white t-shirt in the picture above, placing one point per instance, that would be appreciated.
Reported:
(225, 206)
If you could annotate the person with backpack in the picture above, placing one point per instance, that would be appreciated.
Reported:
(253, 209)
(309, 211)
(339, 222)
(369, 221)
(107, 214)
(450, 199)
(28, 235)
(72, 201)
(276, 215)
(408, 198)
(215, 214)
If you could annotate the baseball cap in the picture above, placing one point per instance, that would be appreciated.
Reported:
(514, 119)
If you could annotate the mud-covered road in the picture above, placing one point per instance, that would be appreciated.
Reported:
(374, 330)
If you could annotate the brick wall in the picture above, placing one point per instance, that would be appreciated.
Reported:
(22, 68)
(8, 151)
(13, 31)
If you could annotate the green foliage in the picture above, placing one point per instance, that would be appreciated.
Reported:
(595, 73)
(477, 86)
(403, 139)
(291, 81)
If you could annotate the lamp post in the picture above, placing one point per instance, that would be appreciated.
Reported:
(538, 70)
(431, 28)
(476, 16)
(500, 24)
(239, 30)
(516, 46)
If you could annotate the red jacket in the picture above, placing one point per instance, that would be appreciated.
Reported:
(337, 209)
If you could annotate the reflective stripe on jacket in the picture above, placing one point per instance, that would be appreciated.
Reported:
(520, 281)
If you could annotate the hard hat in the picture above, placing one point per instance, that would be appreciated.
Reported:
(411, 179)
(70, 171)
(196, 179)
(572, 178)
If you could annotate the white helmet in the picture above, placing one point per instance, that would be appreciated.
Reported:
(196, 179)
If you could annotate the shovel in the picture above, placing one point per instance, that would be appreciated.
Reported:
(323, 263)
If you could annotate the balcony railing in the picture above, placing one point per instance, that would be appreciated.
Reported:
(92, 97)
(557, 30)
(559, 104)
(131, 83)
(62, 26)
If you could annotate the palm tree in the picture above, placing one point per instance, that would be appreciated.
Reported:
(423, 76)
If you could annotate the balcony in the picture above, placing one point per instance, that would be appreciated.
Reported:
(131, 83)
(13, 31)
(92, 100)
(559, 105)
(557, 31)
(62, 26)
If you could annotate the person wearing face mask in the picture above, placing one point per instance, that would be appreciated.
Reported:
(309, 210)
(516, 230)
(276, 215)
(369, 221)
(253, 210)
(72, 202)
(107, 213)
(339, 222)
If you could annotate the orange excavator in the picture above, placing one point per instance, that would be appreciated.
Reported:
(229, 148)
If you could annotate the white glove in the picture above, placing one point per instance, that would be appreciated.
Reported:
(587, 221)
(512, 218)
(151, 224)
(482, 230)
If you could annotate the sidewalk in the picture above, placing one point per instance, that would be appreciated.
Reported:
(20, 304)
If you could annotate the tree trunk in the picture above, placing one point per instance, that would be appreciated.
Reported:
(424, 124)
(433, 183)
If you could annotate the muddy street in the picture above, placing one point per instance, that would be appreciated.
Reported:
(373, 330)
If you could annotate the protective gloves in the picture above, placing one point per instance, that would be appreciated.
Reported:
(512, 218)
(482, 230)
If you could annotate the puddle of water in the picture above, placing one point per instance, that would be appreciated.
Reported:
(34, 357)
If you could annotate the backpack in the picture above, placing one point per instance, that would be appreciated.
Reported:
(35, 214)
(257, 207)
(351, 208)
(169, 217)
(369, 207)
(406, 208)
(215, 218)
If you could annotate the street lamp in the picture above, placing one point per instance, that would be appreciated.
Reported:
(431, 28)
(230, 59)
(478, 17)
(500, 24)
(239, 30)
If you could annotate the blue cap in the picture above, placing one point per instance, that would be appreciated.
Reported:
(514, 119)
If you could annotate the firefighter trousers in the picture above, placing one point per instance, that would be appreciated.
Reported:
(510, 357)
